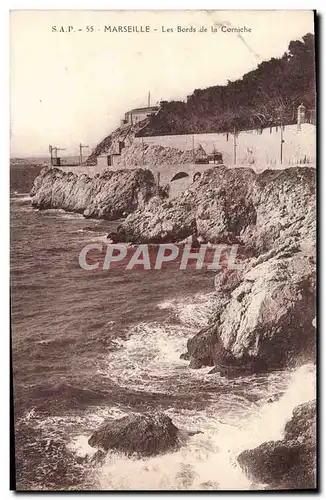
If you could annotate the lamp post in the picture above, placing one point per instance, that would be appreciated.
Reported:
(280, 120)
(234, 147)
(282, 140)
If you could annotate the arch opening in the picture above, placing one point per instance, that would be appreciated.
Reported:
(179, 175)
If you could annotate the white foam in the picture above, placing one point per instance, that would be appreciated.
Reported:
(230, 423)
(194, 311)
(150, 358)
(21, 198)
(236, 414)
(79, 445)
(150, 355)
(208, 461)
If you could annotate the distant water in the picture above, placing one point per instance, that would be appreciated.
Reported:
(87, 347)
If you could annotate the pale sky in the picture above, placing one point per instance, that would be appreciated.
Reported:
(75, 87)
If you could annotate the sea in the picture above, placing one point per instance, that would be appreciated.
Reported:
(89, 347)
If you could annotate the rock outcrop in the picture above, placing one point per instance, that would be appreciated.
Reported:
(144, 435)
(144, 154)
(265, 322)
(291, 462)
(109, 195)
(206, 206)
(228, 204)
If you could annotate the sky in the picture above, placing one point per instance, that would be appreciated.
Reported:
(72, 87)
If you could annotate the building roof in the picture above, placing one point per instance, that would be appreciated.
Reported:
(138, 110)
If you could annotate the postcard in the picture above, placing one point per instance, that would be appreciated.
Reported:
(163, 250)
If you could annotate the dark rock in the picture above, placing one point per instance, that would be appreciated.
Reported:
(145, 435)
(232, 371)
(114, 237)
(201, 348)
(99, 457)
(291, 462)
(302, 425)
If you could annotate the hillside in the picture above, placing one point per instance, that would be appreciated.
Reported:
(110, 144)
(262, 97)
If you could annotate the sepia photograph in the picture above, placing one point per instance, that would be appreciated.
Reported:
(163, 250)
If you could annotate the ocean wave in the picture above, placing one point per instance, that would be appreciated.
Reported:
(194, 311)
(148, 356)
(60, 213)
(20, 197)
(209, 459)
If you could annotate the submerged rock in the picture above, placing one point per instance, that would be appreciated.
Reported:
(109, 195)
(291, 462)
(147, 434)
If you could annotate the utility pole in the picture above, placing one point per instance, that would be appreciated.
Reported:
(142, 148)
(149, 99)
(282, 141)
(234, 147)
(280, 121)
(81, 147)
(193, 148)
(51, 155)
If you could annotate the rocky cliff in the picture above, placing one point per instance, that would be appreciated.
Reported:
(110, 144)
(265, 315)
(143, 154)
(260, 210)
(109, 195)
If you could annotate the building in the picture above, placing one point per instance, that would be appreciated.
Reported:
(138, 114)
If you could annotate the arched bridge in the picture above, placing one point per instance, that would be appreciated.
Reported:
(178, 175)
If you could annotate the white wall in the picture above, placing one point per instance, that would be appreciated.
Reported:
(252, 147)
(255, 149)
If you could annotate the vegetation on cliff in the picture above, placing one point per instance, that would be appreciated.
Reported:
(263, 97)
